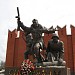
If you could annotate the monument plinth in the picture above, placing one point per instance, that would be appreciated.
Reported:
(52, 70)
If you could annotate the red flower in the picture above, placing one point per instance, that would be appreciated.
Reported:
(26, 67)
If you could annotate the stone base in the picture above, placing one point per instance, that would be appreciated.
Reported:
(52, 70)
(11, 71)
(49, 70)
(55, 63)
(72, 73)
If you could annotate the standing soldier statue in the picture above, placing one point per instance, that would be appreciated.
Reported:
(34, 42)
(36, 38)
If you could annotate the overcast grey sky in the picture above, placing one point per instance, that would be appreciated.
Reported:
(48, 13)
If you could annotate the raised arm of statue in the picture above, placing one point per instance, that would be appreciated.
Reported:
(25, 29)
(20, 24)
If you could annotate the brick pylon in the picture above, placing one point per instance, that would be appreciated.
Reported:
(63, 36)
(73, 45)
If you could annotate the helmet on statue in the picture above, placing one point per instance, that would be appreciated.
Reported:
(35, 21)
(55, 36)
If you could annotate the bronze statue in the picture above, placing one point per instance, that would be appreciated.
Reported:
(28, 39)
(37, 43)
(55, 49)
(34, 42)
(37, 39)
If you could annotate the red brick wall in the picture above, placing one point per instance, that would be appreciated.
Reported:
(17, 46)
(21, 49)
(70, 53)
(63, 36)
(15, 49)
(10, 49)
(46, 38)
(73, 44)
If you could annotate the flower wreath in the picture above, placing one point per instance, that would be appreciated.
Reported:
(26, 67)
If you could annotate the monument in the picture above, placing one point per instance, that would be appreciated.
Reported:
(52, 63)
